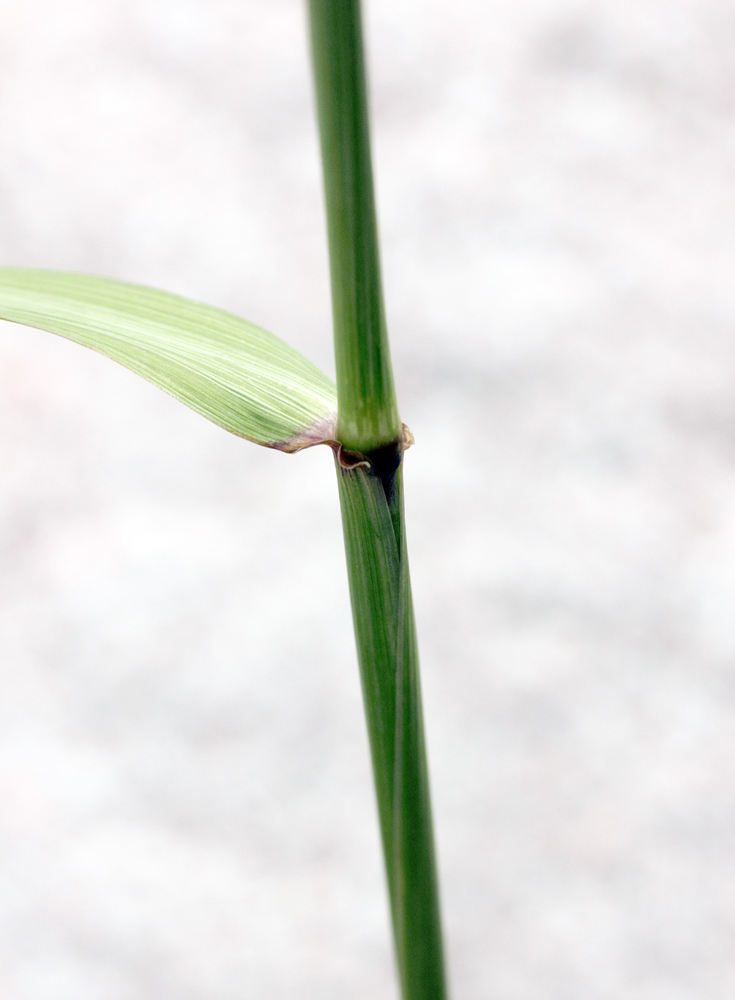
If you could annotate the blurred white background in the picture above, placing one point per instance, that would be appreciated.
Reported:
(185, 801)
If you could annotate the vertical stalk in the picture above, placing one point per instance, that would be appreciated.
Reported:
(371, 497)
(368, 413)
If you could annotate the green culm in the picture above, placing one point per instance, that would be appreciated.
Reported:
(253, 384)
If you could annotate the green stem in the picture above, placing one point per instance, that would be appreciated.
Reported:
(368, 413)
(371, 499)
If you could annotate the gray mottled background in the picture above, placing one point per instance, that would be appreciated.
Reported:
(185, 801)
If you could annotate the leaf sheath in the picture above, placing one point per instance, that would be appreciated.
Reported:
(387, 651)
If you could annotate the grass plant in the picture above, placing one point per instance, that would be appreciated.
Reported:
(253, 384)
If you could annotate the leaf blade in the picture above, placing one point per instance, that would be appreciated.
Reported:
(229, 370)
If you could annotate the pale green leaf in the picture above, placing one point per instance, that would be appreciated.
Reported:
(231, 371)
